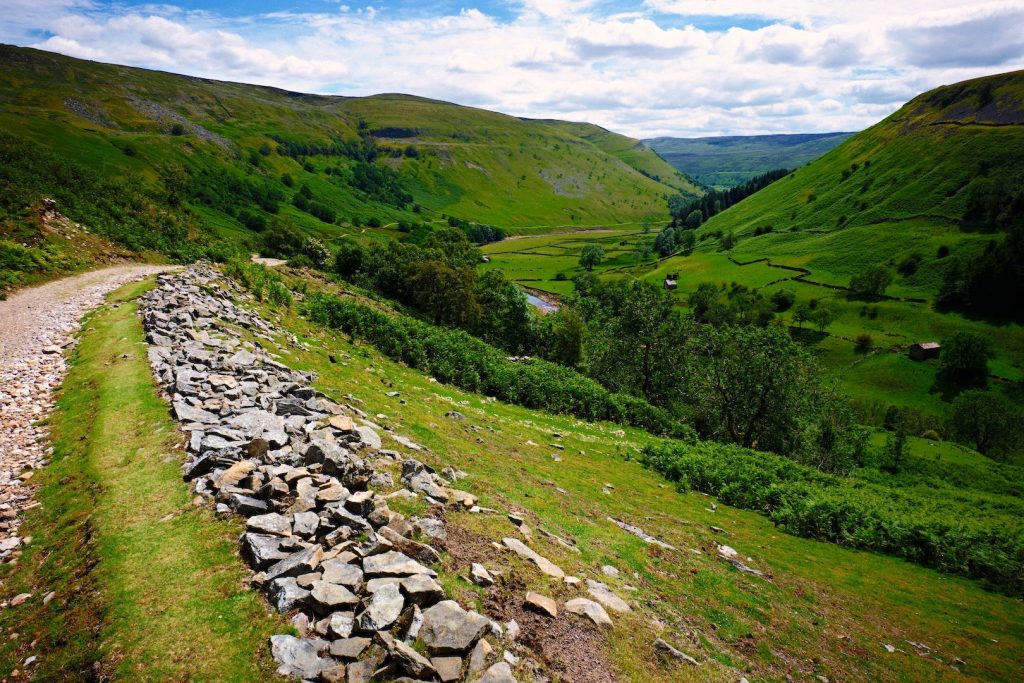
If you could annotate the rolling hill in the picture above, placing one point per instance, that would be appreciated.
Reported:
(219, 158)
(730, 160)
(904, 194)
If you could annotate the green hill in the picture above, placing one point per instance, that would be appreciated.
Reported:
(730, 160)
(921, 191)
(226, 158)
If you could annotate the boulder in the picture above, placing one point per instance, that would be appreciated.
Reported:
(545, 565)
(301, 562)
(349, 648)
(422, 590)
(273, 523)
(286, 594)
(591, 610)
(296, 657)
(449, 629)
(542, 603)
(331, 596)
(342, 573)
(499, 673)
(406, 658)
(606, 597)
(393, 563)
(382, 609)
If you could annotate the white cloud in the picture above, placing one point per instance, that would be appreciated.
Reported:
(816, 66)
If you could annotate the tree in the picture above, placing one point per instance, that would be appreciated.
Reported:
(871, 283)
(591, 256)
(802, 314)
(504, 318)
(446, 293)
(349, 259)
(665, 242)
(687, 240)
(566, 337)
(281, 239)
(987, 420)
(895, 451)
(693, 220)
(822, 317)
(964, 359)
(783, 299)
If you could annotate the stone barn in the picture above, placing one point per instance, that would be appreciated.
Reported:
(925, 350)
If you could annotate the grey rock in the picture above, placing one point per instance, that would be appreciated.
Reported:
(666, 650)
(331, 596)
(340, 624)
(273, 523)
(286, 594)
(186, 413)
(296, 657)
(301, 562)
(382, 609)
(422, 590)
(262, 550)
(393, 563)
(406, 658)
(305, 523)
(606, 597)
(368, 437)
(479, 575)
(591, 610)
(449, 669)
(342, 573)
(499, 673)
(449, 629)
(524, 551)
(349, 648)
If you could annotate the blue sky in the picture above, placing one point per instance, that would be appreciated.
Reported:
(644, 67)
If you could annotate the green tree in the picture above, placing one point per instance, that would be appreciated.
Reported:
(504, 317)
(964, 359)
(871, 283)
(349, 259)
(988, 421)
(445, 293)
(822, 317)
(591, 256)
(687, 240)
(693, 220)
(566, 337)
(281, 239)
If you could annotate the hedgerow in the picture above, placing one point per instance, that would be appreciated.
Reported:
(961, 532)
(458, 358)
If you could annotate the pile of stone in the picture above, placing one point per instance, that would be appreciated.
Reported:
(300, 467)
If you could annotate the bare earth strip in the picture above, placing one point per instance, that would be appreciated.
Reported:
(36, 326)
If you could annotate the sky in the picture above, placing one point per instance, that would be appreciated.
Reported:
(644, 68)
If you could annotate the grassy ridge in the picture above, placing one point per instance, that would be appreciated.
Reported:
(474, 164)
(147, 586)
(727, 161)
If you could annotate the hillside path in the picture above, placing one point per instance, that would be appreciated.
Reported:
(36, 326)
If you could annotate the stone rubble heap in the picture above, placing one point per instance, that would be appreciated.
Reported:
(299, 466)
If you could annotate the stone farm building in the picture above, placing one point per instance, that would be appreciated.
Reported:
(925, 350)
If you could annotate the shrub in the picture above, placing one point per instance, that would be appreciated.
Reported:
(958, 533)
(864, 342)
(456, 357)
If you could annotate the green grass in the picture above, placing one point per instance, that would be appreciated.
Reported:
(147, 586)
(474, 164)
(827, 610)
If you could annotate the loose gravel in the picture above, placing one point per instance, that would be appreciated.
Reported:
(37, 327)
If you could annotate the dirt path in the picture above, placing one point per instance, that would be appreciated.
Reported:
(36, 325)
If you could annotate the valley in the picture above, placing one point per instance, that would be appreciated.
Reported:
(387, 388)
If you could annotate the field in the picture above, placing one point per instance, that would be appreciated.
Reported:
(825, 611)
(883, 377)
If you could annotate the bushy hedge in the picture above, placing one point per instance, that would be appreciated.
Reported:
(455, 357)
(965, 532)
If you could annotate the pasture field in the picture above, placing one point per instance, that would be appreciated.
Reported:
(884, 376)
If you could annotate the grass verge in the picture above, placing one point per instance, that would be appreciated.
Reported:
(146, 586)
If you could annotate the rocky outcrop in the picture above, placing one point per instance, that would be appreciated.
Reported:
(264, 444)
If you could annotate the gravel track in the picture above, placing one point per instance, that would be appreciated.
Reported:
(36, 326)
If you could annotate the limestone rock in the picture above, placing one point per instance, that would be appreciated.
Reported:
(449, 629)
(542, 604)
(590, 610)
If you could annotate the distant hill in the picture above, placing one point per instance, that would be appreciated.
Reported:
(227, 158)
(728, 161)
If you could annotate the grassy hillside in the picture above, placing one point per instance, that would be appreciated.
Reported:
(825, 611)
(473, 164)
(730, 160)
(897, 190)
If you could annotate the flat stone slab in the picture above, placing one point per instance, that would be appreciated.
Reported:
(524, 551)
